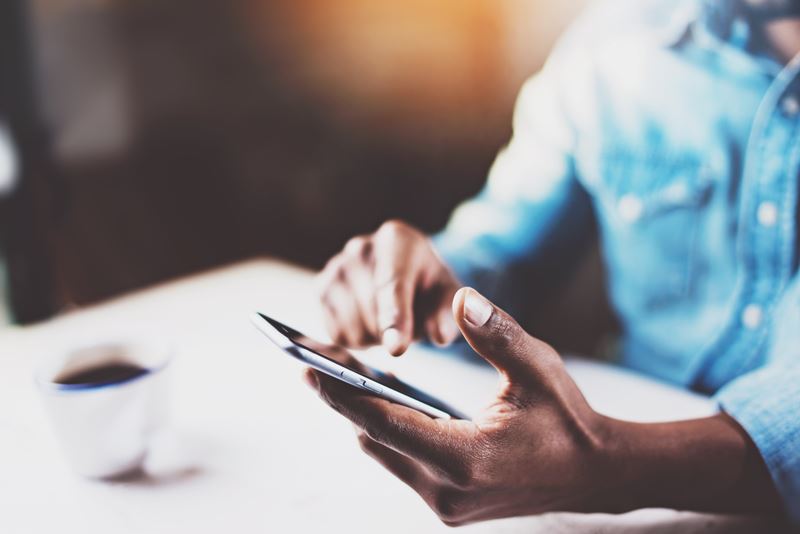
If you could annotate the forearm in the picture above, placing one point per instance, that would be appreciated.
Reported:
(704, 464)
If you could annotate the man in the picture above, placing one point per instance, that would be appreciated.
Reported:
(677, 125)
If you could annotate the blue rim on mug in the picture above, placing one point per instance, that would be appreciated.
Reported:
(49, 384)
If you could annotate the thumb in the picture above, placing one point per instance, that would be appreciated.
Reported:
(498, 338)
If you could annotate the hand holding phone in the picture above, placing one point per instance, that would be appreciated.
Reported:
(341, 365)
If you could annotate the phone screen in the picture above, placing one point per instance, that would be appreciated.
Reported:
(342, 357)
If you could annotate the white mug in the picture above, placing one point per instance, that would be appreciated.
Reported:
(106, 427)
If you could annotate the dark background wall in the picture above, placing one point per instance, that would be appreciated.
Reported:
(190, 133)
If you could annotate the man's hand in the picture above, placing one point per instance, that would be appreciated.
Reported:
(534, 449)
(540, 447)
(389, 287)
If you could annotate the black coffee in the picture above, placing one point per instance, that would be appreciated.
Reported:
(109, 373)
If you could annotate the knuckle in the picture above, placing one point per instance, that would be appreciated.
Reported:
(376, 426)
(374, 431)
(450, 505)
(358, 246)
(334, 263)
(392, 227)
(339, 274)
(367, 444)
(506, 334)
(364, 441)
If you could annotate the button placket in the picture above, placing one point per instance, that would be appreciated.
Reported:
(767, 190)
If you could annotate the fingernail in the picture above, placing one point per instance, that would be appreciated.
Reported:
(391, 339)
(477, 309)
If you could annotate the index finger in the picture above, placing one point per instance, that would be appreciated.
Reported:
(395, 278)
(435, 442)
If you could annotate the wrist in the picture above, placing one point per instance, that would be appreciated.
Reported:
(624, 467)
(612, 478)
(603, 484)
(704, 464)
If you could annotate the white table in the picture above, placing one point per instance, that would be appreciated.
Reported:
(251, 449)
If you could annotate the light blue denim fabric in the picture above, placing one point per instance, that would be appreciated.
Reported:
(668, 124)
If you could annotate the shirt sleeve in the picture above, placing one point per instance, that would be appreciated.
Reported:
(766, 402)
(532, 206)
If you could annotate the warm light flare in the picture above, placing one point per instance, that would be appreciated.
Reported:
(445, 59)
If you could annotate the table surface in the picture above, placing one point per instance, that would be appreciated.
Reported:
(249, 447)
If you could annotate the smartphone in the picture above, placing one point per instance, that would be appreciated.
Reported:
(340, 364)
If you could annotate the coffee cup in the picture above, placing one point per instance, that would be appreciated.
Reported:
(106, 402)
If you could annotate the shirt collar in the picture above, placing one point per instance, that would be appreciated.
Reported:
(715, 20)
(720, 25)
(723, 21)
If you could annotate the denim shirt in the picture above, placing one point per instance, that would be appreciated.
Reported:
(667, 124)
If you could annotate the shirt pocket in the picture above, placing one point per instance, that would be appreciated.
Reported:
(651, 212)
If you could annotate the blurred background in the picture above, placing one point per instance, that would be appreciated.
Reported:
(144, 140)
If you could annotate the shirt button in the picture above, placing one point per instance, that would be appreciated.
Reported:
(791, 106)
(767, 214)
(752, 315)
(630, 208)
